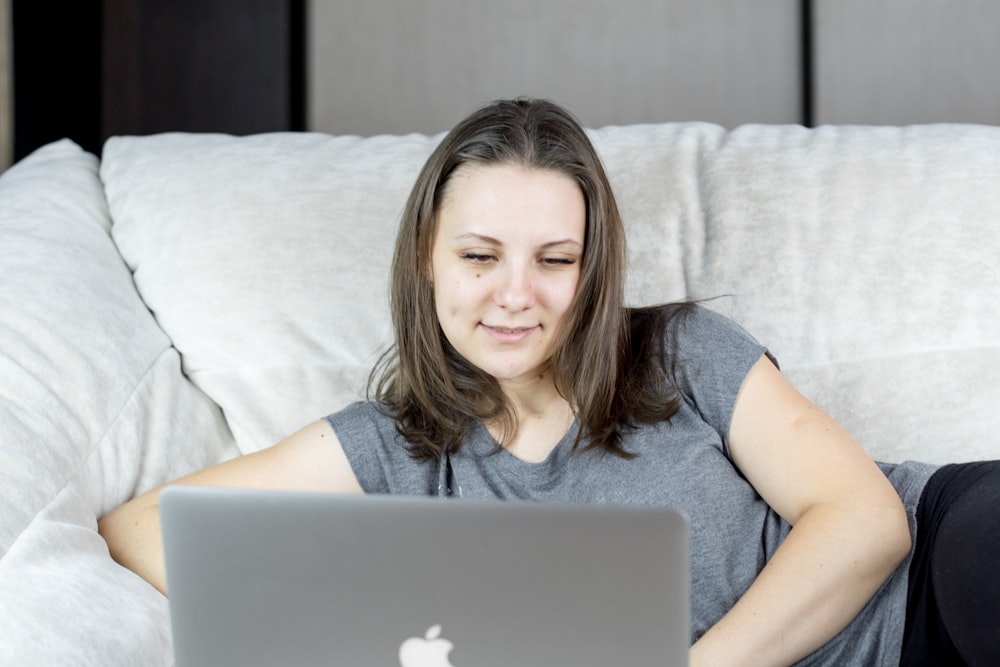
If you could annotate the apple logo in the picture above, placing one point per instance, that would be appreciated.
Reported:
(429, 651)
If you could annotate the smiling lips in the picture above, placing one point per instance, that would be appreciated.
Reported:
(508, 334)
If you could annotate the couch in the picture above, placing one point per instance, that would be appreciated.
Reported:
(188, 297)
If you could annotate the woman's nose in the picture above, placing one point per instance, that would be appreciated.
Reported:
(516, 291)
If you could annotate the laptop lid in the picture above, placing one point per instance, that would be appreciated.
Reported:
(278, 578)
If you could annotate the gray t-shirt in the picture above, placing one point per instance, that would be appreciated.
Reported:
(683, 464)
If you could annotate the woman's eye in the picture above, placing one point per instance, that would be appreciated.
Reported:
(558, 261)
(477, 257)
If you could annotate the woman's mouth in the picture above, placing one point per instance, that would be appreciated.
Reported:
(508, 334)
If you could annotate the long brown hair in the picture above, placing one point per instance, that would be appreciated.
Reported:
(432, 391)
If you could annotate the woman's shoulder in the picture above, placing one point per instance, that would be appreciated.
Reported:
(377, 453)
(704, 355)
(683, 326)
(693, 341)
(372, 409)
(363, 417)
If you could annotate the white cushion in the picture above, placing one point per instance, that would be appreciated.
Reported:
(867, 259)
(93, 409)
(265, 258)
(65, 602)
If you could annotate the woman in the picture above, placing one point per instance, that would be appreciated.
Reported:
(517, 371)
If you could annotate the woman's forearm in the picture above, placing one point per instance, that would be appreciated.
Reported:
(830, 565)
(133, 535)
(310, 459)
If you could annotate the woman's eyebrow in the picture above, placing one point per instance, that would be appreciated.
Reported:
(572, 242)
(489, 240)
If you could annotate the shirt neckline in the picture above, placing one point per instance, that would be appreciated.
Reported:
(485, 446)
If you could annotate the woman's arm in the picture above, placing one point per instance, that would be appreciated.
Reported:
(849, 528)
(309, 460)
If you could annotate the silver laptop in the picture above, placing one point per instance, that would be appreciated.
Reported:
(276, 578)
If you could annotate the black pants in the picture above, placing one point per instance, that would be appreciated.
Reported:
(953, 606)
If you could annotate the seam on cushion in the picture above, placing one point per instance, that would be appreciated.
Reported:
(707, 152)
(235, 425)
(33, 519)
(141, 382)
(94, 446)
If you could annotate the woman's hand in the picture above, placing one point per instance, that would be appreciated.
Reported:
(309, 460)
(849, 531)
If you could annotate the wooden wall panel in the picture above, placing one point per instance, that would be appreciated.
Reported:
(6, 88)
(56, 76)
(201, 65)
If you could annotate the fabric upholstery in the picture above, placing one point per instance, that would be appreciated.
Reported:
(197, 295)
(93, 409)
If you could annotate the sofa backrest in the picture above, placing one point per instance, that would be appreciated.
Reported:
(863, 257)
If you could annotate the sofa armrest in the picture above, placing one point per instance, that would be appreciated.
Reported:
(93, 408)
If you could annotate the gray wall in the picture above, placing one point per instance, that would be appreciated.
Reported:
(419, 65)
(396, 66)
(897, 62)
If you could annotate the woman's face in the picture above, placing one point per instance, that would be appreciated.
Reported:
(505, 265)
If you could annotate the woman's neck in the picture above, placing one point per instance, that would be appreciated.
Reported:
(542, 417)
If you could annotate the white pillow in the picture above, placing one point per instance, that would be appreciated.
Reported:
(65, 602)
(862, 256)
(867, 259)
(266, 259)
(93, 408)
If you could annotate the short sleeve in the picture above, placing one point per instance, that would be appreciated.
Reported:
(711, 355)
(357, 429)
(378, 454)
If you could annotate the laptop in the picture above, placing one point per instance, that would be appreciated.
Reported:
(282, 578)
